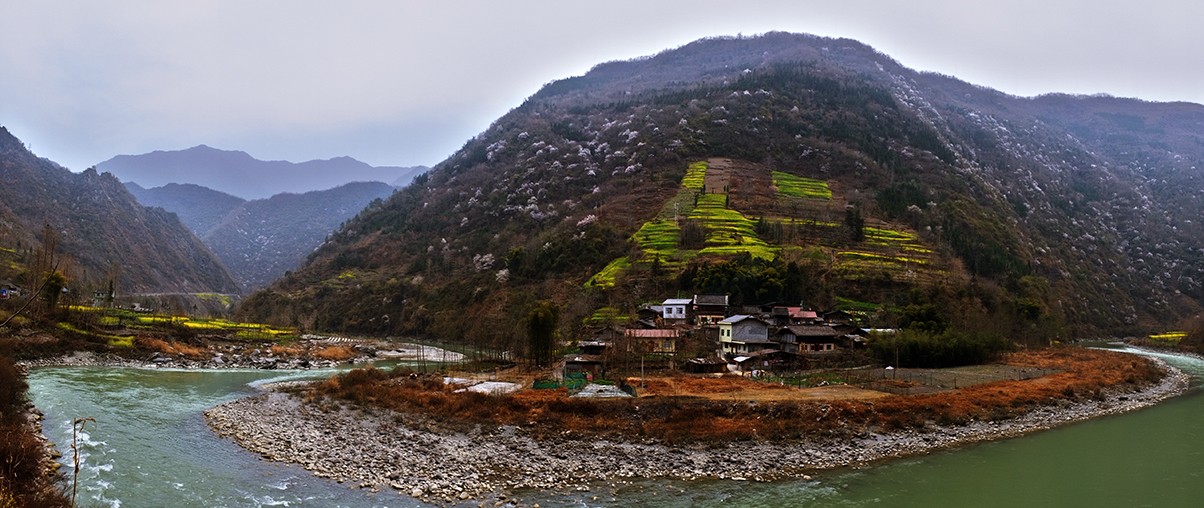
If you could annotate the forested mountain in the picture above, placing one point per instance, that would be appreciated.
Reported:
(259, 240)
(100, 232)
(200, 208)
(238, 174)
(782, 167)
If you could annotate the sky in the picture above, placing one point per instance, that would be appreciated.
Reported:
(408, 82)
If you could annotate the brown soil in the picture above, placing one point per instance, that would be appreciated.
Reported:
(735, 388)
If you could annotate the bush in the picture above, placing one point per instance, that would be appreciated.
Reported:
(923, 349)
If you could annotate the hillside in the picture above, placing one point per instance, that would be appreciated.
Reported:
(950, 204)
(239, 174)
(259, 240)
(102, 232)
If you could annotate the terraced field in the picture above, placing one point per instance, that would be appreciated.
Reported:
(728, 232)
(800, 224)
(800, 187)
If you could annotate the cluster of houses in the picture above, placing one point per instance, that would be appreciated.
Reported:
(723, 337)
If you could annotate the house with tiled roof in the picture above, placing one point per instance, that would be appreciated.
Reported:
(742, 334)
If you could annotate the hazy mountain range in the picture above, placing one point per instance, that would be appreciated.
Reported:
(259, 240)
(239, 174)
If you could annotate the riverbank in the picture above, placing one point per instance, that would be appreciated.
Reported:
(320, 353)
(27, 467)
(386, 450)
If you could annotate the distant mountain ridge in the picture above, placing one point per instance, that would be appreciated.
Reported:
(259, 240)
(239, 174)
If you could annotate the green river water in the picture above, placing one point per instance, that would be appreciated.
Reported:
(150, 447)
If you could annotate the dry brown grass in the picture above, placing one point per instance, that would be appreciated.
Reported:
(687, 409)
(335, 353)
(744, 389)
(286, 351)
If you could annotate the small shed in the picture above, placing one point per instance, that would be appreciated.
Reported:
(586, 364)
(766, 359)
(704, 366)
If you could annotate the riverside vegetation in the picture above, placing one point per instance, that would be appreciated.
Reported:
(26, 476)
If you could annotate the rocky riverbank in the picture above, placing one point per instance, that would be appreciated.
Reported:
(238, 356)
(378, 449)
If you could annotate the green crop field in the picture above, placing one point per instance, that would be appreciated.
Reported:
(1171, 337)
(143, 321)
(606, 277)
(606, 315)
(658, 237)
(695, 176)
(800, 187)
(729, 232)
(883, 258)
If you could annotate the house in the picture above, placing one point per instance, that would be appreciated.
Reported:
(586, 364)
(709, 309)
(742, 334)
(809, 338)
(785, 316)
(674, 309)
(649, 313)
(658, 341)
(705, 366)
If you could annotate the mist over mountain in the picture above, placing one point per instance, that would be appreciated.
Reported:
(1039, 218)
(239, 174)
(102, 233)
(259, 240)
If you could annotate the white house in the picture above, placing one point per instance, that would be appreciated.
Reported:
(675, 308)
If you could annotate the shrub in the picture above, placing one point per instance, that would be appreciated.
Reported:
(923, 349)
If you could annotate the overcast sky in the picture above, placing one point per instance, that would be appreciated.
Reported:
(407, 82)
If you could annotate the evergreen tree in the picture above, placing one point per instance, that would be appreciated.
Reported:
(541, 332)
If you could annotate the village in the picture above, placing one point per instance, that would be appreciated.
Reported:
(707, 334)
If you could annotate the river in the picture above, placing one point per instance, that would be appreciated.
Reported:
(150, 447)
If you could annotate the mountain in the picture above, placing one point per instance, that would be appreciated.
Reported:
(200, 208)
(782, 167)
(260, 240)
(238, 174)
(101, 231)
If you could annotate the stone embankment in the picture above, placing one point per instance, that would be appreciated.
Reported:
(377, 449)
